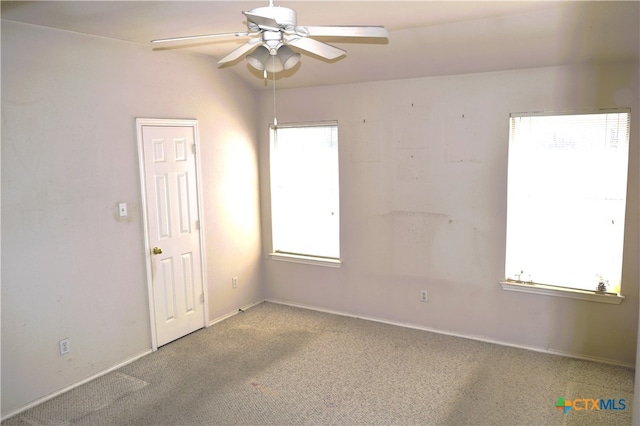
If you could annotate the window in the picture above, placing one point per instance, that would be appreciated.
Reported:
(567, 184)
(305, 204)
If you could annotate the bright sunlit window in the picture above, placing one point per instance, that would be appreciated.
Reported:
(305, 205)
(567, 185)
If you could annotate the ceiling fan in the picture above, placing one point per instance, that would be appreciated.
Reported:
(273, 29)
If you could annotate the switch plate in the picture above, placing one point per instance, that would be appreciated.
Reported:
(234, 282)
(122, 209)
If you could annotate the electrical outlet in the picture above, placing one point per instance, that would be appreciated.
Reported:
(65, 346)
(234, 282)
(423, 296)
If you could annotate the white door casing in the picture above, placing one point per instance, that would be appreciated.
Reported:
(173, 228)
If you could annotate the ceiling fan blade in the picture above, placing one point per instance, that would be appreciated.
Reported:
(316, 47)
(193, 37)
(237, 53)
(263, 22)
(345, 31)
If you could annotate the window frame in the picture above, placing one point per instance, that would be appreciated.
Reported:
(316, 260)
(557, 290)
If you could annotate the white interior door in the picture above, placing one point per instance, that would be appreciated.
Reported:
(170, 195)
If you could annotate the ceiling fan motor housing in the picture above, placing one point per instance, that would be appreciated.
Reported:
(272, 40)
(284, 16)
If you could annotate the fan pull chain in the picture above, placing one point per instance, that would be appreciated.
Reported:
(275, 115)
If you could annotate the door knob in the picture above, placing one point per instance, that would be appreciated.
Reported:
(157, 250)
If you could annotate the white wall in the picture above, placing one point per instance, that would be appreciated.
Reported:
(423, 206)
(423, 169)
(70, 267)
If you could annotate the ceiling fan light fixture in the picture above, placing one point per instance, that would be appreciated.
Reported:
(273, 64)
(288, 57)
(258, 58)
(261, 59)
(276, 28)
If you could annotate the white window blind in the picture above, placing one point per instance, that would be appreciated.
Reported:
(567, 184)
(305, 204)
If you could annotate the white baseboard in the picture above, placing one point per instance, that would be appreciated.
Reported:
(328, 311)
(232, 313)
(464, 336)
(109, 370)
(75, 385)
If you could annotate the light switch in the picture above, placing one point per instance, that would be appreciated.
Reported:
(122, 209)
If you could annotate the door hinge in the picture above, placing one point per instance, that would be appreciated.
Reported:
(197, 224)
(193, 148)
(201, 297)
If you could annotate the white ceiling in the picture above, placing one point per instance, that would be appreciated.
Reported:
(426, 38)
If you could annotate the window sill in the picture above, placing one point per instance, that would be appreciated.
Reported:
(548, 290)
(309, 260)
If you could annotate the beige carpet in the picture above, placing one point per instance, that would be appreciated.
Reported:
(281, 365)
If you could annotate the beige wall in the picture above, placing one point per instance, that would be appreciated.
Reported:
(423, 206)
(423, 169)
(70, 267)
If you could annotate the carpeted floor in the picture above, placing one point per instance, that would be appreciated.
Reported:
(280, 365)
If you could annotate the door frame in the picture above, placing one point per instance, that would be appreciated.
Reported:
(159, 122)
